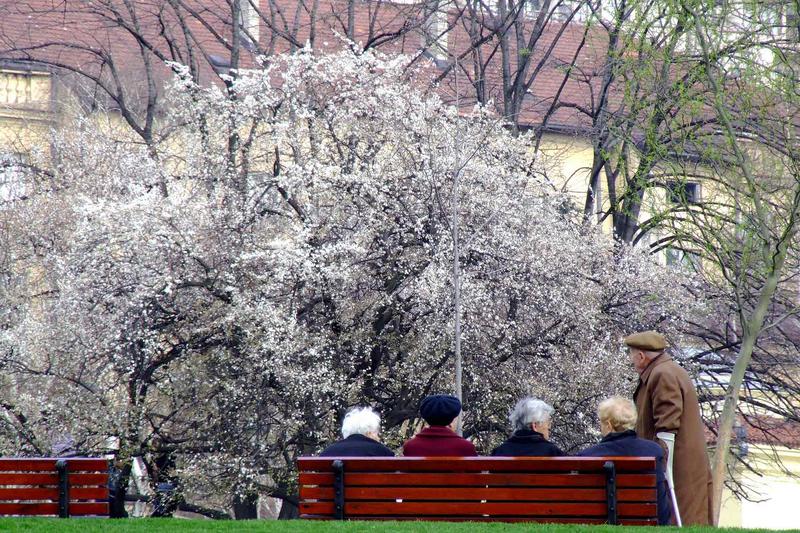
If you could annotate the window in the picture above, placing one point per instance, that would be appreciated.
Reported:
(563, 11)
(792, 19)
(681, 258)
(15, 88)
(23, 88)
(683, 192)
(12, 176)
(533, 6)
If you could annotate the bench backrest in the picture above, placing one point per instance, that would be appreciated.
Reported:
(548, 489)
(74, 486)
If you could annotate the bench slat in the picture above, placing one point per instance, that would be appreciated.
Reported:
(641, 481)
(30, 478)
(49, 464)
(545, 520)
(27, 465)
(26, 478)
(473, 480)
(463, 493)
(76, 480)
(35, 493)
(357, 509)
(477, 464)
(578, 510)
(88, 493)
(529, 519)
(28, 508)
(87, 465)
(489, 494)
(477, 480)
(89, 509)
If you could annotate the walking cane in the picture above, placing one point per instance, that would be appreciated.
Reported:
(669, 440)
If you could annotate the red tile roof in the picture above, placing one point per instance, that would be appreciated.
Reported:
(765, 430)
(91, 38)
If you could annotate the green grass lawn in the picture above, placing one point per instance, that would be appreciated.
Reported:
(90, 525)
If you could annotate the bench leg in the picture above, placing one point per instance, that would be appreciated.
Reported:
(63, 488)
(611, 492)
(338, 489)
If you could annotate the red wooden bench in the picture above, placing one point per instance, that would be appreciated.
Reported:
(614, 490)
(75, 486)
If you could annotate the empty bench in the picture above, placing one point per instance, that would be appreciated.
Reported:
(64, 487)
(592, 490)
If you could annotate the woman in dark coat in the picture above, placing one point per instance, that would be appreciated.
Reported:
(617, 420)
(360, 429)
(530, 419)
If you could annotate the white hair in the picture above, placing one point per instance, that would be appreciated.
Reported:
(360, 421)
(618, 412)
(529, 410)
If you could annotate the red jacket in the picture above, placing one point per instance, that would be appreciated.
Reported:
(438, 441)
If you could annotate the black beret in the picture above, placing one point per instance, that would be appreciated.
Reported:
(440, 409)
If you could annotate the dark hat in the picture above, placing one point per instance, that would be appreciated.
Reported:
(440, 409)
(652, 341)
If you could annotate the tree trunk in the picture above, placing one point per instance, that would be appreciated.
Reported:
(245, 507)
(752, 327)
(774, 252)
(118, 486)
(288, 511)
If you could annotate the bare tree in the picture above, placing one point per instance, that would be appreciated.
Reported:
(746, 230)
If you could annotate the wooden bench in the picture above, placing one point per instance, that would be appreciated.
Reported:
(75, 486)
(595, 490)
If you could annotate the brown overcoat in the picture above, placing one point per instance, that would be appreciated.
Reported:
(666, 400)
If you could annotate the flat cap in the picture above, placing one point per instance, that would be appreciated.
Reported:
(652, 341)
(440, 409)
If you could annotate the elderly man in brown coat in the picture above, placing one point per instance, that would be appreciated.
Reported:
(666, 400)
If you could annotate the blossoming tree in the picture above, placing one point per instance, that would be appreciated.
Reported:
(301, 263)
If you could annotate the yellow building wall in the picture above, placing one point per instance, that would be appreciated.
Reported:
(25, 112)
(25, 104)
(567, 161)
(774, 495)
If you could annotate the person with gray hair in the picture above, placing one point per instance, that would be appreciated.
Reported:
(531, 420)
(360, 431)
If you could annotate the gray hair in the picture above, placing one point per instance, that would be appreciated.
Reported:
(360, 421)
(529, 410)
